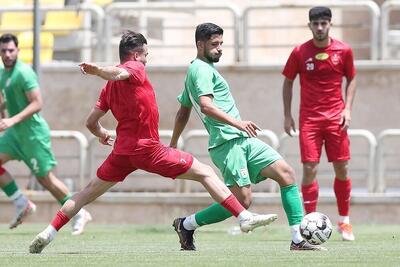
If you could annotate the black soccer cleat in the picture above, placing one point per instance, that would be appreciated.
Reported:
(185, 236)
(304, 245)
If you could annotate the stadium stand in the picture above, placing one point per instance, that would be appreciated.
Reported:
(16, 21)
(26, 47)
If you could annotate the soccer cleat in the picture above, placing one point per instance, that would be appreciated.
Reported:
(79, 221)
(22, 214)
(185, 236)
(303, 245)
(40, 242)
(346, 230)
(256, 220)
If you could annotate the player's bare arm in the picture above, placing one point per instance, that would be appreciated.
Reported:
(208, 108)
(350, 93)
(94, 126)
(181, 119)
(287, 93)
(109, 73)
(35, 105)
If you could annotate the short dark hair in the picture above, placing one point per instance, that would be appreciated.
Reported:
(320, 12)
(9, 37)
(130, 42)
(204, 31)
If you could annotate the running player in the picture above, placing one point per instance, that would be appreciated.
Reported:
(242, 159)
(131, 99)
(26, 135)
(322, 62)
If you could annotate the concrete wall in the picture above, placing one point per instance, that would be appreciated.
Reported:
(69, 95)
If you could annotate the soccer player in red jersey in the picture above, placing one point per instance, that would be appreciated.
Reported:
(324, 115)
(131, 99)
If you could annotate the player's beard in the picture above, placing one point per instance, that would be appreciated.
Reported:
(212, 58)
(321, 37)
(10, 63)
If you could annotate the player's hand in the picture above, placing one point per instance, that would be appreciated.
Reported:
(289, 125)
(89, 68)
(6, 123)
(249, 127)
(345, 118)
(106, 140)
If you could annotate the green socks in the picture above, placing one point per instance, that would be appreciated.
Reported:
(212, 214)
(292, 204)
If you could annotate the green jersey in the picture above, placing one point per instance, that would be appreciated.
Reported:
(203, 79)
(14, 84)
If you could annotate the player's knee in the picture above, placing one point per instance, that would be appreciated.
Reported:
(287, 176)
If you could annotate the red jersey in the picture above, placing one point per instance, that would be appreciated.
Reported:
(133, 104)
(321, 73)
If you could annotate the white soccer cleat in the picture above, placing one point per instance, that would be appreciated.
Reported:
(22, 214)
(346, 230)
(40, 242)
(257, 220)
(79, 221)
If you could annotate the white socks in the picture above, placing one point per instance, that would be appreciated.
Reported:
(19, 199)
(51, 231)
(190, 223)
(295, 232)
(345, 219)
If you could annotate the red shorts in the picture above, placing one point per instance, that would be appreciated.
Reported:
(157, 158)
(314, 135)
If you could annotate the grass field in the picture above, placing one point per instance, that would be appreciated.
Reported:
(157, 245)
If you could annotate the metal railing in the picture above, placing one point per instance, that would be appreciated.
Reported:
(114, 9)
(83, 146)
(387, 34)
(95, 10)
(384, 135)
(360, 133)
(371, 6)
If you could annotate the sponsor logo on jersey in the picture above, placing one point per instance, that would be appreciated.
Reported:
(335, 59)
(321, 56)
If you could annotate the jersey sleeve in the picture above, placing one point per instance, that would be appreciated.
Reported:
(29, 79)
(203, 81)
(102, 103)
(137, 74)
(291, 68)
(184, 99)
(349, 69)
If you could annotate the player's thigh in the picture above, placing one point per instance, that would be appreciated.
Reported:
(38, 156)
(279, 171)
(337, 144)
(115, 168)
(259, 157)
(311, 141)
(231, 159)
(165, 161)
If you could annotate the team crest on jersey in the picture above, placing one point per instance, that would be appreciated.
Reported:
(244, 173)
(335, 59)
(321, 56)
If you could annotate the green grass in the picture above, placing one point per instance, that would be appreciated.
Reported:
(157, 245)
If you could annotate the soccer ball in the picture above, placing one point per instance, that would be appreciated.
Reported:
(316, 228)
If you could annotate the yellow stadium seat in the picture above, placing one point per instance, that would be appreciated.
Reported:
(101, 2)
(16, 21)
(59, 3)
(63, 22)
(9, 3)
(26, 47)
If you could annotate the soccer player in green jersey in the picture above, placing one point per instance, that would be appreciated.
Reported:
(241, 157)
(25, 135)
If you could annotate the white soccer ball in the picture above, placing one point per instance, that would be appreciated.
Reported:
(316, 228)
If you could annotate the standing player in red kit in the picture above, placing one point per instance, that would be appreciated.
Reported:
(324, 115)
(131, 99)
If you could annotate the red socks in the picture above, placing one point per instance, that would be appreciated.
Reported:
(342, 191)
(310, 196)
(233, 205)
(59, 220)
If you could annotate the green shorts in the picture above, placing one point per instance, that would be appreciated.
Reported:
(241, 160)
(35, 152)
